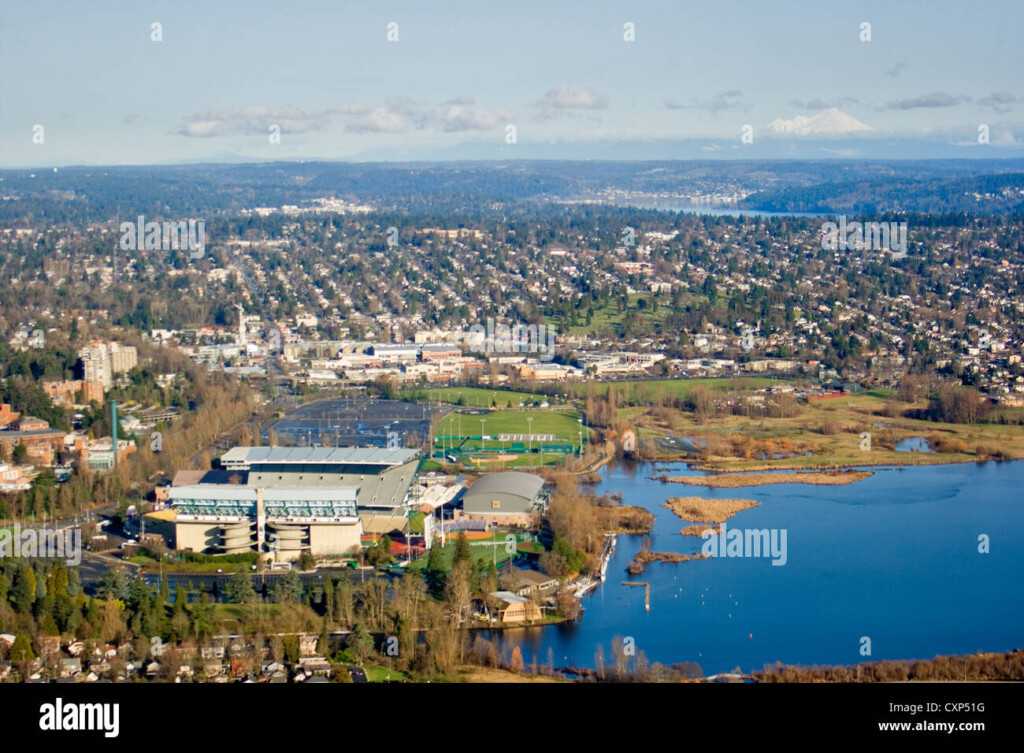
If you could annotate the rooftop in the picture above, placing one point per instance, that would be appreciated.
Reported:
(320, 455)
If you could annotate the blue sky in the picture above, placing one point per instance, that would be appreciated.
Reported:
(461, 72)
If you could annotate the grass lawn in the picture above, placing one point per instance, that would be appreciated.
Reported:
(650, 391)
(489, 549)
(640, 307)
(380, 674)
(151, 565)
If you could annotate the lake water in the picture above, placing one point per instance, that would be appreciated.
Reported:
(894, 558)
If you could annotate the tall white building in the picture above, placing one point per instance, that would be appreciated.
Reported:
(102, 361)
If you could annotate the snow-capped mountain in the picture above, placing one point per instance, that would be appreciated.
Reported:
(825, 123)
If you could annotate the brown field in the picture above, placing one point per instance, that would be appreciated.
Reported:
(623, 519)
(493, 459)
(702, 510)
(696, 530)
(737, 480)
(489, 674)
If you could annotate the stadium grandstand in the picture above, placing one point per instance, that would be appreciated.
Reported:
(289, 500)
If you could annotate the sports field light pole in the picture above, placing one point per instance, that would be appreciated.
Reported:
(483, 442)
(529, 423)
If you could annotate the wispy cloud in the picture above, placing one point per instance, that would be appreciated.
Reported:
(935, 99)
(821, 104)
(253, 119)
(897, 69)
(718, 103)
(397, 115)
(572, 98)
(999, 101)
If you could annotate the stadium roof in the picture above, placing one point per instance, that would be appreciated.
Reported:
(213, 493)
(511, 483)
(324, 455)
(239, 493)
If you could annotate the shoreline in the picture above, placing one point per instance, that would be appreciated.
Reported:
(717, 468)
(738, 480)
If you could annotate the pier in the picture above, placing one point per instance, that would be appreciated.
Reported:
(647, 591)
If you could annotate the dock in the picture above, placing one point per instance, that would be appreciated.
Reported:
(647, 591)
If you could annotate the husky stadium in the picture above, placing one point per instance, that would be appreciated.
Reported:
(284, 501)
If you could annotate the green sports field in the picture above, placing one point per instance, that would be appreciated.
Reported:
(565, 426)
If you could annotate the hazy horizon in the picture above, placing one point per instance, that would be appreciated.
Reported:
(253, 82)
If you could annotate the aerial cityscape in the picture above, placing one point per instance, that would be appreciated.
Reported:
(639, 355)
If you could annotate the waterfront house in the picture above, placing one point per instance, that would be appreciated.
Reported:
(515, 608)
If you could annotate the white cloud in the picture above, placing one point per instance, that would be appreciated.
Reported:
(458, 118)
(252, 119)
(380, 120)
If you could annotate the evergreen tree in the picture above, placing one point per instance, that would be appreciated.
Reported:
(436, 573)
(360, 643)
(328, 600)
(74, 582)
(180, 599)
(59, 580)
(24, 589)
(239, 589)
(21, 649)
(288, 589)
(462, 552)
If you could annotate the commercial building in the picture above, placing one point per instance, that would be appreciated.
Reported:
(68, 392)
(41, 442)
(98, 454)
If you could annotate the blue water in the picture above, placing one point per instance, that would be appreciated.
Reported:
(913, 444)
(893, 558)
